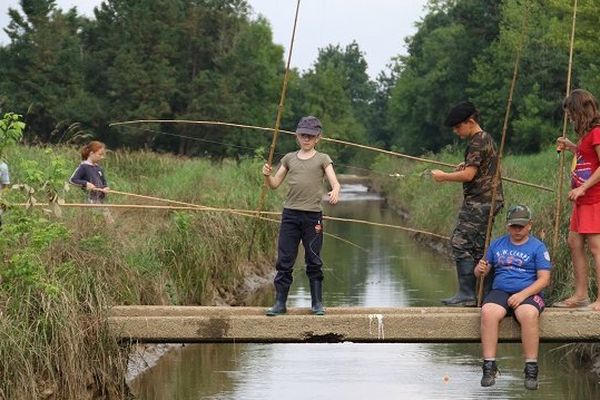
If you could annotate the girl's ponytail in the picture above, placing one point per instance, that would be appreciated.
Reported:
(91, 147)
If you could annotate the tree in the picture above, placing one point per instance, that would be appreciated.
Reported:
(201, 60)
(338, 91)
(434, 75)
(537, 115)
(42, 66)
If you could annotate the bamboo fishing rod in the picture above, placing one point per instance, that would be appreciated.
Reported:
(236, 211)
(276, 130)
(325, 139)
(197, 207)
(192, 207)
(265, 186)
(141, 196)
(561, 167)
(358, 221)
(183, 205)
(496, 179)
(245, 213)
(248, 213)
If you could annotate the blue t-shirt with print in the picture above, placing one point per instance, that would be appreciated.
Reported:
(516, 265)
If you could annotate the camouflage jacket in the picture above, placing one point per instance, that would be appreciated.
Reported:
(481, 153)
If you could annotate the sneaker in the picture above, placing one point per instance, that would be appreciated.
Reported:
(490, 370)
(531, 373)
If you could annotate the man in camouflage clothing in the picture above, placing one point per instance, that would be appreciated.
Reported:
(477, 176)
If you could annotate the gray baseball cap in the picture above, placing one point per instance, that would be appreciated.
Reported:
(309, 125)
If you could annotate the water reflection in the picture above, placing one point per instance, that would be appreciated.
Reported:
(394, 272)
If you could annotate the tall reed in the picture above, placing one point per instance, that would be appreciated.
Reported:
(434, 206)
(61, 275)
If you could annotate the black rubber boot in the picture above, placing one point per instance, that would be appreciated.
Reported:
(280, 300)
(465, 296)
(316, 296)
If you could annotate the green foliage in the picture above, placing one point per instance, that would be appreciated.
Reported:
(48, 180)
(338, 91)
(406, 183)
(435, 73)
(11, 130)
(59, 276)
(32, 235)
(536, 114)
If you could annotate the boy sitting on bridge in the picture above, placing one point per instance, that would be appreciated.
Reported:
(522, 270)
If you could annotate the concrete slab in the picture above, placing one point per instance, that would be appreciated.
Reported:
(341, 324)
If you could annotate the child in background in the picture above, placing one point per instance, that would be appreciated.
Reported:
(301, 220)
(582, 108)
(521, 264)
(89, 175)
(4, 182)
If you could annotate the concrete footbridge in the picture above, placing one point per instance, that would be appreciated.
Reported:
(183, 324)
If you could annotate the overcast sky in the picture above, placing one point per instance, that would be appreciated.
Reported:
(378, 26)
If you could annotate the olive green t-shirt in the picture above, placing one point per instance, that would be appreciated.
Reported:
(305, 181)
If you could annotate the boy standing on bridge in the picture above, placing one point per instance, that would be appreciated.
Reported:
(477, 176)
(522, 270)
(302, 215)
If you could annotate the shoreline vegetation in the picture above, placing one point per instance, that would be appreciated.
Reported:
(61, 275)
(71, 75)
(409, 189)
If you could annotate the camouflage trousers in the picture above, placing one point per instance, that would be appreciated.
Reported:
(468, 238)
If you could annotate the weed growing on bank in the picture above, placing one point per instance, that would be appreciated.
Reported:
(433, 206)
(63, 268)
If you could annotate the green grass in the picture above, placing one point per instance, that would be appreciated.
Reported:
(433, 206)
(61, 275)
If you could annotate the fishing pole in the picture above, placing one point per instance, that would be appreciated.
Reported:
(324, 139)
(561, 167)
(236, 211)
(161, 132)
(496, 179)
(265, 186)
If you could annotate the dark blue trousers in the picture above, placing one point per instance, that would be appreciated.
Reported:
(299, 226)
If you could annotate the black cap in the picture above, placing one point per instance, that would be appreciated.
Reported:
(460, 113)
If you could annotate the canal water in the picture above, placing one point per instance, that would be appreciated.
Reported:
(388, 269)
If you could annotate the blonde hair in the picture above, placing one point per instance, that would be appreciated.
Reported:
(91, 147)
(582, 108)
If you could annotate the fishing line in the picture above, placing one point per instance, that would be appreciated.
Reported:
(325, 139)
(561, 167)
(496, 179)
(337, 164)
